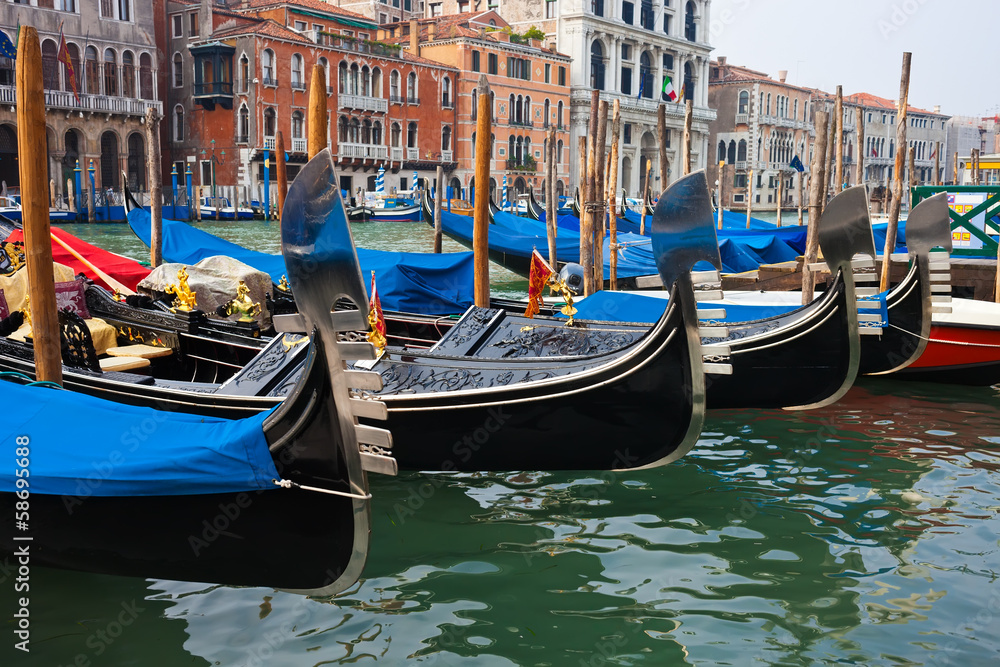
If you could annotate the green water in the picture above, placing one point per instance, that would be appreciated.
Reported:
(865, 533)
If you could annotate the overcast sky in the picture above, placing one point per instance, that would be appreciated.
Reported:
(859, 44)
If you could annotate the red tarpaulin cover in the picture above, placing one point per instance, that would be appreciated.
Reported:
(126, 271)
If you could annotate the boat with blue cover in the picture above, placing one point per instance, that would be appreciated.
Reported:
(277, 499)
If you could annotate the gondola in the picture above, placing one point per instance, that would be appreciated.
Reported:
(278, 500)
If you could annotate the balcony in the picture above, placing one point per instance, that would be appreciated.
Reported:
(299, 145)
(363, 102)
(742, 119)
(519, 123)
(397, 99)
(447, 156)
(741, 165)
(447, 103)
(350, 151)
(243, 86)
(412, 100)
(270, 82)
(397, 154)
(59, 99)
(412, 154)
(242, 139)
(207, 95)
(528, 164)
(269, 143)
(298, 85)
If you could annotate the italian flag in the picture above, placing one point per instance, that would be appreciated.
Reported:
(668, 89)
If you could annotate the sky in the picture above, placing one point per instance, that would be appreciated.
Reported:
(859, 44)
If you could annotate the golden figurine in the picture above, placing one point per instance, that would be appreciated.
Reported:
(27, 310)
(568, 310)
(283, 284)
(243, 304)
(186, 299)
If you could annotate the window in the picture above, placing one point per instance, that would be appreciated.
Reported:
(93, 71)
(411, 135)
(688, 82)
(551, 9)
(562, 76)
(597, 65)
(394, 87)
(744, 103)
(270, 121)
(597, 7)
(795, 110)
(446, 138)
(50, 65)
(435, 8)
(145, 74)
(243, 135)
(318, 27)
(559, 115)
(628, 9)
(298, 77)
(690, 26)
(666, 139)
(178, 77)
(128, 74)
(300, 26)
(548, 73)
(666, 24)
(646, 75)
(491, 63)
(394, 134)
(463, 6)
(446, 93)
(411, 88)
(475, 61)
(668, 62)
(626, 80)
(741, 151)
(110, 72)
(646, 15)
(74, 59)
(178, 123)
(627, 133)
(382, 18)
(626, 52)
(267, 68)
(297, 124)
(178, 22)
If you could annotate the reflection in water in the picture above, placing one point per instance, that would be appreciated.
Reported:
(784, 537)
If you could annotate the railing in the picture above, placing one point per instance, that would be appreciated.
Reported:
(298, 145)
(397, 154)
(447, 156)
(412, 100)
(448, 103)
(357, 45)
(213, 88)
(742, 118)
(60, 99)
(412, 153)
(242, 139)
(329, 90)
(298, 85)
(397, 99)
(519, 123)
(269, 143)
(267, 81)
(741, 165)
(243, 85)
(513, 165)
(364, 102)
(362, 151)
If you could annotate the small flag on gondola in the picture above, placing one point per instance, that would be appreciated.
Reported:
(376, 320)
(65, 59)
(537, 279)
(796, 164)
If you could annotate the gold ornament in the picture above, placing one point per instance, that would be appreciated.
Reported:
(186, 299)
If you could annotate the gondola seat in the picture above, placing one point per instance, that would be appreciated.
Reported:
(78, 348)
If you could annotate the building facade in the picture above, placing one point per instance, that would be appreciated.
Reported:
(965, 133)
(761, 125)
(529, 88)
(384, 11)
(626, 50)
(238, 76)
(112, 49)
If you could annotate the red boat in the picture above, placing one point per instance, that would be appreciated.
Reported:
(964, 346)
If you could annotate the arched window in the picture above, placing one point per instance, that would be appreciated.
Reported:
(178, 73)
(511, 143)
(527, 110)
(741, 151)
(690, 25)
(559, 150)
(178, 123)
(109, 160)
(597, 65)
(411, 87)
(493, 105)
(298, 76)
(50, 65)
(411, 135)
(446, 92)
(354, 82)
(795, 110)
(243, 134)
(546, 109)
(377, 133)
(395, 134)
(366, 132)
(731, 153)
(722, 152)
(136, 160)
(145, 76)
(559, 115)
(267, 68)
(355, 131)
(366, 81)
(296, 124)
(512, 109)
(376, 82)
(394, 87)
(342, 129)
(597, 7)
(744, 103)
(342, 77)
(767, 109)
(475, 104)
(128, 74)
(244, 82)
(688, 82)
(93, 72)
(270, 122)
(446, 138)
(646, 75)
(110, 72)
(326, 72)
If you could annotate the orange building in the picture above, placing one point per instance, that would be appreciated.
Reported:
(529, 86)
(238, 75)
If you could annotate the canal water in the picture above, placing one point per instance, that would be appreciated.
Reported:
(863, 533)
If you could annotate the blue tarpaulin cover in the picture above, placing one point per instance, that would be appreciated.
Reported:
(81, 445)
(432, 284)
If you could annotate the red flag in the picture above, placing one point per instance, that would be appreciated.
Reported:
(375, 319)
(539, 276)
(874, 152)
(64, 58)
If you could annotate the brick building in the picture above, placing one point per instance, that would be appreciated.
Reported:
(111, 47)
(529, 90)
(239, 74)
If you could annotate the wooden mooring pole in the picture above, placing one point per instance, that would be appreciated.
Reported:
(688, 116)
(661, 140)
(616, 128)
(481, 210)
(589, 199)
(155, 188)
(438, 194)
(316, 119)
(859, 120)
(600, 215)
(817, 193)
(897, 177)
(279, 155)
(838, 111)
(552, 172)
(33, 171)
(749, 195)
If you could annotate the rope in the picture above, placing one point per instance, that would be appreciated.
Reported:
(944, 342)
(45, 383)
(286, 484)
(15, 374)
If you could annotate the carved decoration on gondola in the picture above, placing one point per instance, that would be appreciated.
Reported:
(242, 304)
(185, 300)
(400, 378)
(469, 327)
(76, 342)
(549, 341)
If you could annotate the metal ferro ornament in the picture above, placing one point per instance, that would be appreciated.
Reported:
(185, 299)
